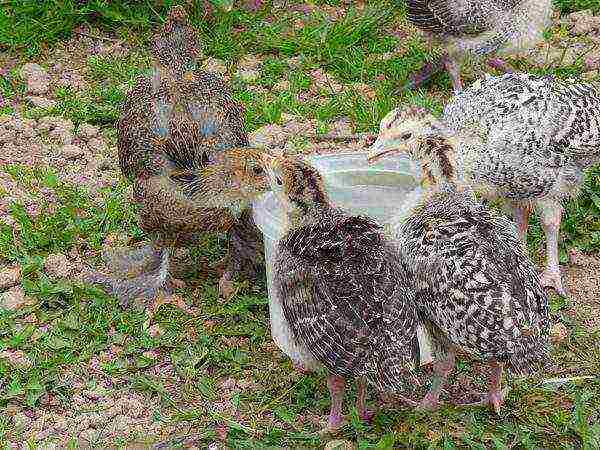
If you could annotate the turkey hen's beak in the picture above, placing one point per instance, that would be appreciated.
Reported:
(380, 149)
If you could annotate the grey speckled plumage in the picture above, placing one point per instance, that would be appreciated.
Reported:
(476, 284)
(528, 140)
(344, 289)
(523, 138)
(479, 28)
(477, 289)
(348, 298)
(553, 120)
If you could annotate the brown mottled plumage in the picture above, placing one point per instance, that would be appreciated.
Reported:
(345, 291)
(174, 127)
(231, 181)
(476, 288)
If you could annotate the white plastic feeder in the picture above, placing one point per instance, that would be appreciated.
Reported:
(382, 192)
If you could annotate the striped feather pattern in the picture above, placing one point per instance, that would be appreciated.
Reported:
(348, 298)
(457, 17)
(475, 281)
(536, 135)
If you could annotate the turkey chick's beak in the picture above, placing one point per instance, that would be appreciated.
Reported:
(383, 147)
(188, 75)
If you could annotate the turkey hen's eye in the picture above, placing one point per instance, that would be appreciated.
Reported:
(405, 136)
(278, 181)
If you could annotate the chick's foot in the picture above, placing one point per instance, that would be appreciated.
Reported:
(494, 399)
(552, 278)
(336, 420)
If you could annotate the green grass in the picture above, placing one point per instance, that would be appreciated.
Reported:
(67, 326)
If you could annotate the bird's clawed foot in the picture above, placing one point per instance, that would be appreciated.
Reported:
(335, 422)
(494, 398)
(299, 367)
(553, 279)
(429, 403)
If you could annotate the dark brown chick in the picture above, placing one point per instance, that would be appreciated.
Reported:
(173, 125)
(345, 291)
(177, 204)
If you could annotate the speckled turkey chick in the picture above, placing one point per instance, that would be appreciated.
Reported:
(477, 289)
(519, 137)
(173, 125)
(345, 291)
(477, 28)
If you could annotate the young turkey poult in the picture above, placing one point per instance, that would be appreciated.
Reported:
(477, 28)
(345, 291)
(525, 139)
(477, 289)
(173, 126)
(229, 183)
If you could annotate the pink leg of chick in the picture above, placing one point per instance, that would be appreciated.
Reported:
(550, 216)
(442, 370)
(364, 413)
(337, 389)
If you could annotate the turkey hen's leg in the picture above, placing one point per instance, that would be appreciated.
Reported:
(495, 395)
(245, 252)
(550, 217)
(337, 389)
(153, 285)
(442, 370)
(361, 400)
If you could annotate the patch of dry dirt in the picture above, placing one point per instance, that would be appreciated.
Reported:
(583, 280)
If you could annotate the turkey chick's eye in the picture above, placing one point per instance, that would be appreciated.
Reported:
(405, 136)
(257, 170)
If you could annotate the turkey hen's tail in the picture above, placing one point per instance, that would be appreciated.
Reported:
(136, 274)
